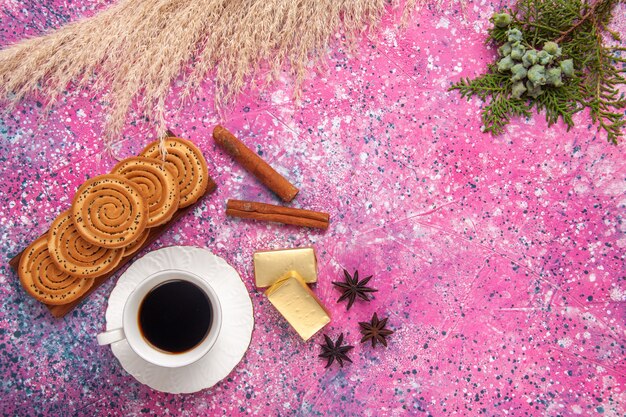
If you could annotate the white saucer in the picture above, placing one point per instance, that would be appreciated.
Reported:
(237, 322)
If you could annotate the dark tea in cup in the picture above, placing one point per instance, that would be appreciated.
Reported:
(172, 318)
(175, 316)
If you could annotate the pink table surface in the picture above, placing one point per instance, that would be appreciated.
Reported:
(499, 260)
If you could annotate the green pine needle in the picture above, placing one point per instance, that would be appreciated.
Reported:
(579, 27)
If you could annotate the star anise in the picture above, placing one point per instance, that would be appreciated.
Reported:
(375, 330)
(333, 350)
(353, 288)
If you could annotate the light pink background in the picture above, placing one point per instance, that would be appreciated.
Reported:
(499, 260)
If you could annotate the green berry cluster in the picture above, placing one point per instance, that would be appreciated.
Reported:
(530, 69)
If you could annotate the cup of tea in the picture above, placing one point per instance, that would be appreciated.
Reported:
(171, 319)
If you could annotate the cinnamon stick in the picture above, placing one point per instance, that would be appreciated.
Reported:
(254, 164)
(271, 213)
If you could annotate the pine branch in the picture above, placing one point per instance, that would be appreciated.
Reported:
(579, 27)
(498, 114)
(582, 20)
(557, 103)
(603, 80)
(491, 83)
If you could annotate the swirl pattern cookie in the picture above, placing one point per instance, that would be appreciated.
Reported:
(110, 211)
(74, 255)
(186, 160)
(158, 185)
(136, 245)
(43, 280)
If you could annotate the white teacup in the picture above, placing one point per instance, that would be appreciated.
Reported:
(131, 330)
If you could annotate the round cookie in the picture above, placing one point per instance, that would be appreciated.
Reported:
(110, 211)
(74, 255)
(136, 245)
(158, 185)
(186, 160)
(44, 281)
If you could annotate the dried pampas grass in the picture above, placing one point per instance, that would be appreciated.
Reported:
(137, 48)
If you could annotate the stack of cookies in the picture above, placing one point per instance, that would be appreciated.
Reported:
(111, 218)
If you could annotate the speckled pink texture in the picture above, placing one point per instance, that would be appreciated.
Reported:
(499, 260)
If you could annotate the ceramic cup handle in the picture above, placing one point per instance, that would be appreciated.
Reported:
(111, 336)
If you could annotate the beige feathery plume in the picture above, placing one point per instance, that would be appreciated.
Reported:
(137, 48)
